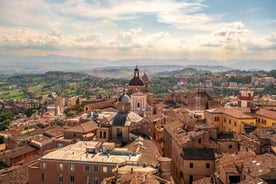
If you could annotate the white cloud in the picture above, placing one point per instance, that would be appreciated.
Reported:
(128, 38)
(230, 37)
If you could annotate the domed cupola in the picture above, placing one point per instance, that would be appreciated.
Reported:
(124, 98)
(124, 103)
(136, 80)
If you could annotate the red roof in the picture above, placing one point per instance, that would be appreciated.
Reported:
(266, 113)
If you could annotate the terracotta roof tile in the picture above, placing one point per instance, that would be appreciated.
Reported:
(267, 113)
(149, 152)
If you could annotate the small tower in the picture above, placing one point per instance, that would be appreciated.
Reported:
(146, 82)
(136, 72)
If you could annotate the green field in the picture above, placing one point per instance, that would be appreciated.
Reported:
(63, 83)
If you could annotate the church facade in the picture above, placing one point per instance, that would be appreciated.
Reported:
(138, 90)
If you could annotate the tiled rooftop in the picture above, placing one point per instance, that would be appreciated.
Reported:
(148, 150)
(266, 113)
(84, 127)
(230, 159)
(234, 112)
(19, 151)
(260, 165)
(55, 132)
(181, 136)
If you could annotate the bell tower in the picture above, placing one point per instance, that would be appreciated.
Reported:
(136, 72)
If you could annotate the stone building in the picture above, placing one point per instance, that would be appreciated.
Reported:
(197, 100)
(193, 148)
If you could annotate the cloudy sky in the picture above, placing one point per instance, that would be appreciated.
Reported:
(120, 29)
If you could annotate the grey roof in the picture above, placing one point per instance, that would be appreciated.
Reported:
(124, 98)
(226, 135)
(198, 154)
(120, 119)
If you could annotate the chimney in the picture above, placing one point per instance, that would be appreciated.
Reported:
(165, 168)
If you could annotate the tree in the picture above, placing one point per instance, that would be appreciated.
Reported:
(29, 112)
(2, 139)
(5, 124)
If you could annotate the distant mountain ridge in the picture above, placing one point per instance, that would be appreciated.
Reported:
(15, 64)
(181, 72)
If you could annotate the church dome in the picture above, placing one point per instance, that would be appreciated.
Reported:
(136, 81)
(124, 98)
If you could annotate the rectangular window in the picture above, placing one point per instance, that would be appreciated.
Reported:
(235, 123)
(60, 178)
(60, 166)
(72, 179)
(72, 167)
(229, 121)
(191, 165)
(43, 165)
(96, 169)
(43, 177)
(105, 169)
(86, 179)
(86, 168)
(96, 180)
(207, 165)
(230, 146)
(199, 141)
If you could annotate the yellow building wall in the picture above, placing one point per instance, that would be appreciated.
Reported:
(264, 121)
(225, 122)
(211, 118)
(234, 124)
